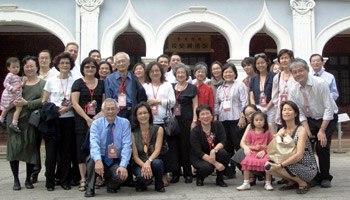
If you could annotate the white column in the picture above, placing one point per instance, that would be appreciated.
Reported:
(89, 13)
(303, 27)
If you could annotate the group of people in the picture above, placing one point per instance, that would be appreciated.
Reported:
(103, 124)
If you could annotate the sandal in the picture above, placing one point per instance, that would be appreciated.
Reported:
(82, 186)
(289, 187)
(99, 183)
(303, 189)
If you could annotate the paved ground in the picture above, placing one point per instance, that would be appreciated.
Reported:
(340, 169)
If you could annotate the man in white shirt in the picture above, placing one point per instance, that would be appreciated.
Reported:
(72, 48)
(318, 114)
(175, 59)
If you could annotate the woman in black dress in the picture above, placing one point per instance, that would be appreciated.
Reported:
(185, 112)
(87, 98)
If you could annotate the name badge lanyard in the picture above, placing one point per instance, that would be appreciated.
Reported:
(112, 150)
(65, 91)
(209, 139)
(177, 93)
(263, 99)
(146, 147)
(229, 91)
(307, 106)
(122, 86)
(262, 88)
(284, 95)
(91, 91)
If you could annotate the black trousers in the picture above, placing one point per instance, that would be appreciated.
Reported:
(184, 148)
(204, 168)
(113, 180)
(63, 149)
(323, 153)
(233, 136)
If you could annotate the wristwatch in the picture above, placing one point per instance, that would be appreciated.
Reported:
(150, 159)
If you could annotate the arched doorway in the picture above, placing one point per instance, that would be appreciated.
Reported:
(19, 40)
(131, 43)
(337, 50)
(263, 43)
(197, 43)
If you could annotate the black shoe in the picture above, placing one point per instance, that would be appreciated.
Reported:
(175, 179)
(325, 183)
(16, 186)
(199, 182)
(141, 188)
(66, 187)
(34, 178)
(282, 181)
(50, 189)
(28, 185)
(110, 190)
(313, 183)
(161, 189)
(3, 125)
(74, 183)
(188, 179)
(221, 183)
(129, 184)
(89, 193)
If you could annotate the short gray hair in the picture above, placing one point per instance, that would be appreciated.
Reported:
(121, 53)
(200, 65)
(109, 100)
(182, 65)
(298, 62)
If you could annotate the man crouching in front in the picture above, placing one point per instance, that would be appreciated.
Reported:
(110, 149)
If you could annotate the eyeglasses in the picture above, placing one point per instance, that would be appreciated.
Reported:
(90, 67)
(64, 63)
(142, 113)
(121, 61)
(259, 55)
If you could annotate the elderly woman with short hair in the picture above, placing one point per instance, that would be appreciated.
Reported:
(185, 112)
(205, 95)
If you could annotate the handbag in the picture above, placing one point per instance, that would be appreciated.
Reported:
(34, 118)
(281, 148)
(171, 126)
(163, 150)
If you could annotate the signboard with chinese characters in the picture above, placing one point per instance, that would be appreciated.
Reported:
(189, 43)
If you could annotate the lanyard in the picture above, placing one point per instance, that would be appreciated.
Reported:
(64, 93)
(209, 140)
(304, 95)
(229, 91)
(262, 86)
(111, 132)
(91, 91)
(155, 94)
(145, 148)
(285, 84)
(122, 86)
(177, 95)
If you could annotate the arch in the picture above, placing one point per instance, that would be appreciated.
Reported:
(330, 31)
(199, 16)
(38, 20)
(271, 27)
(129, 16)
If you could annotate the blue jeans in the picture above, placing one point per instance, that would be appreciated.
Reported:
(157, 171)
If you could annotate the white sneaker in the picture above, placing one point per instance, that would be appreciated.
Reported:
(268, 187)
(244, 186)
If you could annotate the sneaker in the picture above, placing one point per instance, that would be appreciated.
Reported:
(268, 187)
(244, 186)
(15, 128)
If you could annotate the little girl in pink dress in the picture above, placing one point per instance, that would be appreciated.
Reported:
(257, 140)
(12, 91)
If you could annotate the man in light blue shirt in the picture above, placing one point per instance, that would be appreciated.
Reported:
(109, 153)
(316, 62)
